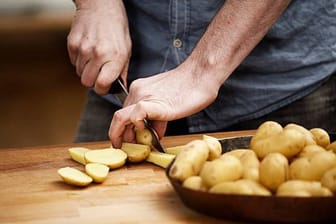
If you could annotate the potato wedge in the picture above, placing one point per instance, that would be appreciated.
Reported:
(74, 177)
(113, 158)
(77, 154)
(136, 152)
(98, 172)
(174, 150)
(159, 158)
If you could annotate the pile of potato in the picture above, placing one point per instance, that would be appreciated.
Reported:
(282, 161)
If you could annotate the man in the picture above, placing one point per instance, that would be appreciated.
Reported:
(216, 65)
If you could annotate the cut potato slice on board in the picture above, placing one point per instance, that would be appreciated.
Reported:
(174, 150)
(113, 158)
(160, 158)
(97, 171)
(74, 177)
(136, 152)
(77, 154)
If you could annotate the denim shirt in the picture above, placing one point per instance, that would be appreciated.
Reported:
(295, 57)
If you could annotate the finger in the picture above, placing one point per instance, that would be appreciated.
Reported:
(90, 73)
(83, 57)
(129, 134)
(160, 127)
(109, 72)
(72, 47)
(118, 125)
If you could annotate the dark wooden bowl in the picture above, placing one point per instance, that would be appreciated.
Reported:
(257, 208)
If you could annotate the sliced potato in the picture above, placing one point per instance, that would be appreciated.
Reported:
(215, 148)
(77, 154)
(160, 159)
(113, 158)
(74, 177)
(136, 152)
(174, 150)
(98, 172)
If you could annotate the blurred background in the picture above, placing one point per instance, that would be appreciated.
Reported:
(40, 95)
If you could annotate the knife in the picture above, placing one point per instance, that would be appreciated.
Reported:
(120, 92)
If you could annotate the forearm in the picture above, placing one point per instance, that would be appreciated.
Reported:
(236, 29)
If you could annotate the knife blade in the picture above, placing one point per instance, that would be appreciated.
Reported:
(120, 92)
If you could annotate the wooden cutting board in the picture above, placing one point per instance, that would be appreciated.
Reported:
(32, 192)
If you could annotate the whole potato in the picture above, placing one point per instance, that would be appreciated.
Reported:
(194, 183)
(308, 150)
(250, 163)
(321, 137)
(225, 168)
(273, 170)
(215, 148)
(266, 129)
(302, 188)
(189, 161)
(309, 137)
(328, 179)
(289, 143)
(312, 167)
(332, 147)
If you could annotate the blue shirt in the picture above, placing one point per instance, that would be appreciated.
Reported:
(295, 57)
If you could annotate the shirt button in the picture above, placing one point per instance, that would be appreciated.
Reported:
(177, 43)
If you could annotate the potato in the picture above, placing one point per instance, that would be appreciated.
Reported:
(331, 147)
(302, 188)
(321, 137)
(309, 137)
(232, 187)
(250, 163)
(215, 148)
(143, 136)
(77, 154)
(242, 186)
(308, 150)
(113, 158)
(98, 172)
(225, 168)
(194, 183)
(174, 150)
(312, 167)
(328, 179)
(273, 170)
(160, 159)
(266, 130)
(190, 160)
(288, 142)
(74, 177)
(135, 152)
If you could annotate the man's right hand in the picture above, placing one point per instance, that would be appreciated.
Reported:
(99, 43)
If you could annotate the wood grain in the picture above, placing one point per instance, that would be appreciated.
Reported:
(32, 192)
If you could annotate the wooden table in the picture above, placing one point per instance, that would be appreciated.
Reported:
(32, 192)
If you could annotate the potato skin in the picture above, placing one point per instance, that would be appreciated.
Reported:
(309, 137)
(215, 148)
(225, 168)
(189, 161)
(313, 167)
(273, 171)
(194, 183)
(331, 147)
(321, 137)
(302, 188)
(328, 179)
(289, 142)
(265, 130)
(250, 163)
(308, 150)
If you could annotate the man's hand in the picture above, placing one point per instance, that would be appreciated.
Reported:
(233, 33)
(99, 43)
